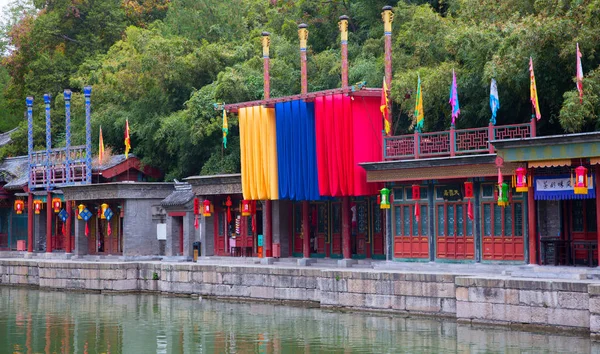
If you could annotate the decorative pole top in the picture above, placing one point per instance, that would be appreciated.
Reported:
(87, 91)
(388, 17)
(266, 43)
(47, 98)
(67, 95)
(303, 35)
(29, 101)
(343, 25)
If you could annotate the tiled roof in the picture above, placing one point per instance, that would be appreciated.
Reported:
(5, 137)
(14, 171)
(182, 195)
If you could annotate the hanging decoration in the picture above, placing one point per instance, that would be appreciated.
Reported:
(197, 212)
(470, 213)
(38, 205)
(206, 208)
(580, 185)
(246, 208)
(416, 192)
(384, 202)
(469, 195)
(228, 204)
(521, 181)
(56, 205)
(102, 210)
(253, 208)
(417, 212)
(108, 214)
(238, 225)
(80, 209)
(468, 189)
(63, 215)
(502, 190)
(19, 206)
(85, 214)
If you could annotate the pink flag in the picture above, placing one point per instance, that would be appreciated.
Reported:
(579, 75)
(454, 98)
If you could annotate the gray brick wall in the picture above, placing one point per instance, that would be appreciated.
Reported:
(39, 230)
(81, 241)
(281, 224)
(139, 228)
(206, 235)
(549, 218)
(189, 234)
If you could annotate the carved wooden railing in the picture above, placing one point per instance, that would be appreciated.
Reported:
(61, 167)
(450, 142)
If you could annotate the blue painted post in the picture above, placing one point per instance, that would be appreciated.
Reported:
(29, 103)
(67, 95)
(48, 139)
(87, 92)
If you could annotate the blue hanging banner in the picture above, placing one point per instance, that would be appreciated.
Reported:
(559, 188)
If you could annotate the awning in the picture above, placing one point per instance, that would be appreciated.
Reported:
(549, 163)
(559, 188)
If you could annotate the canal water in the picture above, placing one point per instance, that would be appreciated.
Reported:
(33, 321)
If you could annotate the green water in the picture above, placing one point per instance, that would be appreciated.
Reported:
(33, 321)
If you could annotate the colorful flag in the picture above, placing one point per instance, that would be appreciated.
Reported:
(533, 91)
(127, 140)
(417, 212)
(454, 98)
(494, 101)
(579, 75)
(419, 114)
(385, 108)
(225, 128)
(100, 148)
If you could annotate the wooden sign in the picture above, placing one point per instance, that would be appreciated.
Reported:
(452, 193)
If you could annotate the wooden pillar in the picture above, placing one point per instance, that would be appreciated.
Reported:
(303, 36)
(268, 209)
(305, 230)
(346, 245)
(597, 180)
(532, 221)
(68, 245)
(30, 213)
(452, 140)
(533, 126)
(49, 222)
(343, 25)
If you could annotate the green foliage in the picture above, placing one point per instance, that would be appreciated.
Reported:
(162, 64)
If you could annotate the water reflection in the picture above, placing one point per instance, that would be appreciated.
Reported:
(34, 321)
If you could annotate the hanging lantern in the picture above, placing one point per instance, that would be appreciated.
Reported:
(385, 198)
(80, 209)
(56, 204)
(206, 209)
(19, 206)
(196, 206)
(416, 192)
(228, 204)
(520, 180)
(38, 205)
(503, 194)
(468, 189)
(246, 209)
(580, 186)
(103, 208)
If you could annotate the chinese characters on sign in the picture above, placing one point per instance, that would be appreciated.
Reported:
(452, 193)
(555, 184)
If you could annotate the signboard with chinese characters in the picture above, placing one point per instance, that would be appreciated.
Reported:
(452, 192)
(559, 188)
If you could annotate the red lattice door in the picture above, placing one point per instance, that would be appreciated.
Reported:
(454, 231)
(503, 230)
(410, 236)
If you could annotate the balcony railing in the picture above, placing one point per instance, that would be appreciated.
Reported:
(57, 169)
(451, 142)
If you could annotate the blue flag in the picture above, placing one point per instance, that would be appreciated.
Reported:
(494, 101)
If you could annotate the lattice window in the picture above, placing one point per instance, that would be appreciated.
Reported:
(472, 140)
(399, 146)
(434, 143)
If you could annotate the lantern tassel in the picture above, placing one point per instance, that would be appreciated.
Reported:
(87, 229)
(108, 229)
(196, 223)
(417, 212)
(470, 213)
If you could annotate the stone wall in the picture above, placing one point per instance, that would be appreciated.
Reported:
(534, 303)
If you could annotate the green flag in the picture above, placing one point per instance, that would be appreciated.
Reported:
(419, 114)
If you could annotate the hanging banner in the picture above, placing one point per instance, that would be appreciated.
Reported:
(559, 188)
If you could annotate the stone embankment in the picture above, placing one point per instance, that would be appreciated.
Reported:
(498, 300)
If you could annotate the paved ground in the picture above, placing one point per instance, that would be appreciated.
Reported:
(517, 271)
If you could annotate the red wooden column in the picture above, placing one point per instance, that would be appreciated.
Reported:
(68, 246)
(531, 217)
(343, 24)
(597, 180)
(346, 243)
(30, 222)
(303, 36)
(268, 211)
(49, 222)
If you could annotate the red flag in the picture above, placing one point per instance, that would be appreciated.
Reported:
(417, 212)
(579, 75)
(470, 211)
(384, 107)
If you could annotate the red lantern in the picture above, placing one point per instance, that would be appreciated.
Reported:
(520, 181)
(37, 206)
(416, 192)
(56, 204)
(196, 206)
(19, 206)
(580, 186)
(468, 189)
(246, 209)
(206, 208)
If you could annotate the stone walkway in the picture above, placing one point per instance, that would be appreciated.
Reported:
(515, 271)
